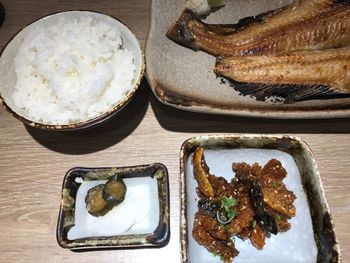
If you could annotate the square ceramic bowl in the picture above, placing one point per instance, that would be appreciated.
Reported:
(311, 237)
(153, 231)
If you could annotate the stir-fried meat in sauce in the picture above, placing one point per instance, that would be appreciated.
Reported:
(255, 203)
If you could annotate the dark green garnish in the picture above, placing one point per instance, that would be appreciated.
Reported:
(225, 227)
(278, 217)
(227, 203)
(232, 213)
(254, 224)
(216, 3)
(274, 184)
(228, 212)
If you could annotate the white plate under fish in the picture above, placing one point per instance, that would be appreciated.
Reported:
(296, 245)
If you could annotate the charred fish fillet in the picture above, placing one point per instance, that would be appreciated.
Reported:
(307, 72)
(305, 24)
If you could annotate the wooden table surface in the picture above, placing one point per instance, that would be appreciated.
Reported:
(33, 162)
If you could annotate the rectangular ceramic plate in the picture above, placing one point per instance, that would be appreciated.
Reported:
(158, 238)
(297, 159)
(184, 78)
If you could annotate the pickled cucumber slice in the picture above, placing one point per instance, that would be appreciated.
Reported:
(114, 190)
(96, 205)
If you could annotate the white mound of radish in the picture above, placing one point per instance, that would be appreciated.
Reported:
(137, 214)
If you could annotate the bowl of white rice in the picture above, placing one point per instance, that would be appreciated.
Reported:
(70, 70)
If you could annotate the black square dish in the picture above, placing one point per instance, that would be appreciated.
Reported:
(73, 180)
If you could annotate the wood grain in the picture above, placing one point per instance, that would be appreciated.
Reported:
(33, 162)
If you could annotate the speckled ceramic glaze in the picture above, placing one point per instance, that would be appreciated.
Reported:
(327, 246)
(8, 76)
(160, 237)
(184, 78)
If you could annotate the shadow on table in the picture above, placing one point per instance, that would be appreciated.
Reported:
(184, 121)
(101, 137)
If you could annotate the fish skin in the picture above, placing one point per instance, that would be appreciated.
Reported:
(328, 68)
(306, 24)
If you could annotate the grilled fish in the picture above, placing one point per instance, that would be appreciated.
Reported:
(299, 74)
(304, 24)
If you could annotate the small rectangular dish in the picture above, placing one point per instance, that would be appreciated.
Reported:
(140, 220)
(311, 237)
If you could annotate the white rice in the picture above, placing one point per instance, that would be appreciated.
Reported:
(72, 71)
